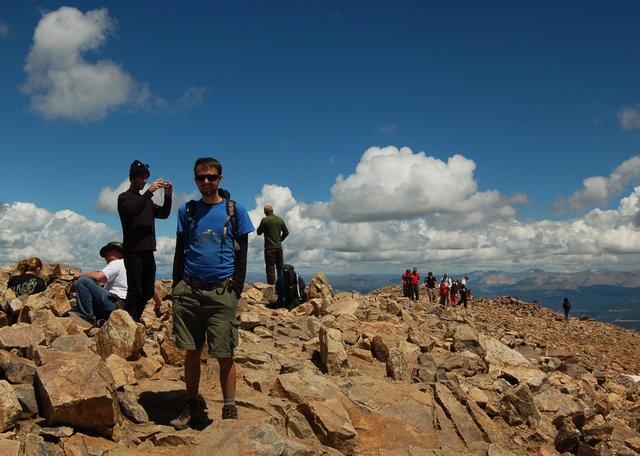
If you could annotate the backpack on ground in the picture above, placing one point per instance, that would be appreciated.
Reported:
(290, 288)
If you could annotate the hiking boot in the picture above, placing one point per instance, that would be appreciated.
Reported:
(229, 412)
(192, 414)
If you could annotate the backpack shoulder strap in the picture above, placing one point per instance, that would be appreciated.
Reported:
(191, 209)
(231, 217)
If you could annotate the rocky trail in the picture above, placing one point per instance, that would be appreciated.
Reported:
(344, 373)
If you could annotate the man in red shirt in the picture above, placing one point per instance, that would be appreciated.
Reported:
(416, 285)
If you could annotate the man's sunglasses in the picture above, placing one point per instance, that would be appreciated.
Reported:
(209, 177)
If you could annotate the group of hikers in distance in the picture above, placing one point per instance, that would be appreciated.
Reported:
(447, 291)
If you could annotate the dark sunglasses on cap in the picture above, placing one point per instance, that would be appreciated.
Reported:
(209, 177)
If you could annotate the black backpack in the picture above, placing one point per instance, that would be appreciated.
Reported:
(290, 288)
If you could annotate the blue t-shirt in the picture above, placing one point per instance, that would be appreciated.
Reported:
(206, 257)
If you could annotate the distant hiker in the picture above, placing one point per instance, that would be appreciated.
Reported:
(26, 280)
(443, 291)
(453, 292)
(566, 306)
(415, 284)
(137, 215)
(431, 281)
(275, 231)
(447, 281)
(407, 284)
(462, 288)
(93, 302)
(209, 269)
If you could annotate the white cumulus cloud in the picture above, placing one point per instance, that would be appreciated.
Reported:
(61, 237)
(4, 30)
(63, 83)
(600, 238)
(440, 241)
(393, 183)
(455, 231)
(598, 190)
(60, 81)
(629, 118)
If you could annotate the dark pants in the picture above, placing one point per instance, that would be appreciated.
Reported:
(141, 277)
(416, 291)
(273, 261)
(463, 298)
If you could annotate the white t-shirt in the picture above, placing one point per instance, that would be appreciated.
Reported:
(116, 278)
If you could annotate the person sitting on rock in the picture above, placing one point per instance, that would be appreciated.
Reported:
(26, 281)
(95, 303)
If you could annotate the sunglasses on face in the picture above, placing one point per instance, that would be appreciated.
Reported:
(209, 177)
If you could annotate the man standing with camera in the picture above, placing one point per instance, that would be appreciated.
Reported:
(137, 214)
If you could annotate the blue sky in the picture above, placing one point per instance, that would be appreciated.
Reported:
(443, 135)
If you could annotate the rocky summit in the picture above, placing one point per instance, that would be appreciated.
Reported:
(344, 373)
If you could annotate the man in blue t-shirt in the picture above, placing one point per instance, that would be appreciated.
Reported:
(209, 269)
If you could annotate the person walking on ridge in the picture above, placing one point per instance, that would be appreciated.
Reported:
(137, 216)
(431, 281)
(275, 231)
(447, 280)
(566, 306)
(415, 284)
(407, 284)
(209, 270)
(462, 288)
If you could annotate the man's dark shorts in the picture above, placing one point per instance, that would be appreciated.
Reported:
(202, 313)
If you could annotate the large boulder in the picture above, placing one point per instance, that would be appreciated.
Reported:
(466, 338)
(499, 355)
(332, 352)
(321, 293)
(22, 336)
(397, 366)
(17, 369)
(120, 335)
(10, 409)
(77, 389)
(518, 406)
(331, 423)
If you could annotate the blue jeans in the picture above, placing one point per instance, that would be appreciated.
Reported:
(92, 301)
